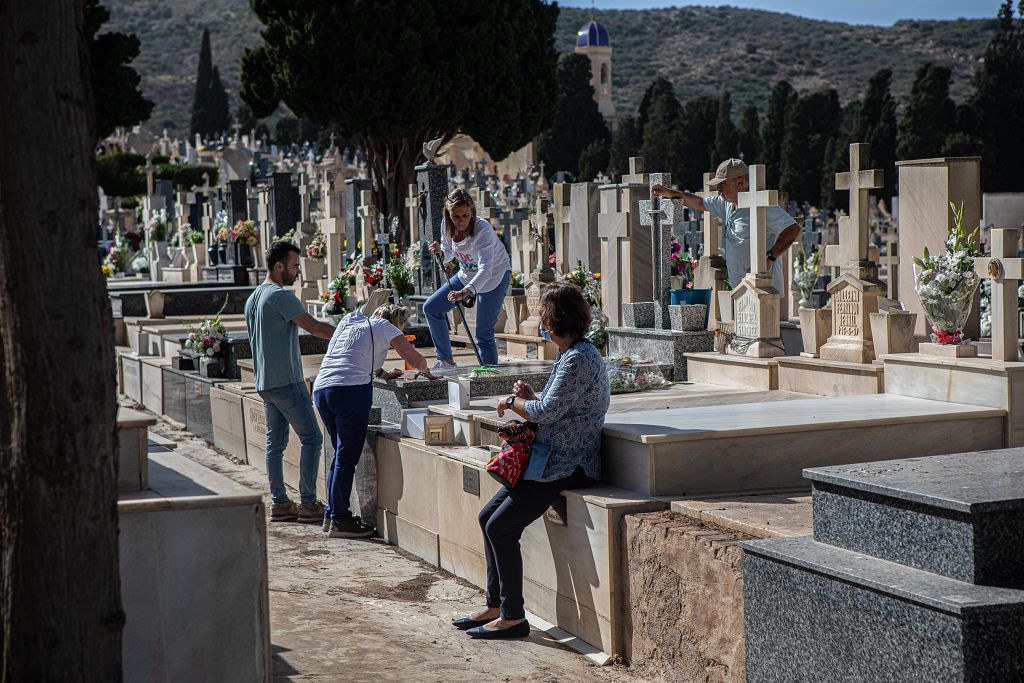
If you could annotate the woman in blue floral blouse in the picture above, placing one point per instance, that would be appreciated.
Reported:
(566, 455)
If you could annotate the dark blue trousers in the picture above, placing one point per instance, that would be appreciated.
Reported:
(346, 414)
(503, 520)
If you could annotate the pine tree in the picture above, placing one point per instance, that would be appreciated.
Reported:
(201, 103)
(725, 130)
(750, 136)
(578, 122)
(876, 125)
(929, 116)
(626, 142)
(997, 100)
(220, 110)
(774, 131)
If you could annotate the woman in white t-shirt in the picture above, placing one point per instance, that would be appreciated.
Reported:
(343, 393)
(484, 272)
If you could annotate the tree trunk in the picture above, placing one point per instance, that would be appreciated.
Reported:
(59, 589)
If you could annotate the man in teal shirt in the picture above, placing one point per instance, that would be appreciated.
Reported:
(730, 179)
(274, 315)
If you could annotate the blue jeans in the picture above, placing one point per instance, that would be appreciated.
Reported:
(346, 413)
(286, 405)
(488, 306)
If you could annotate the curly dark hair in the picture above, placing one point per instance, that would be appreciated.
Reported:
(564, 311)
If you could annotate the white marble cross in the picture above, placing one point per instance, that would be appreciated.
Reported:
(561, 197)
(853, 229)
(660, 215)
(1005, 269)
(412, 205)
(758, 199)
(367, 213)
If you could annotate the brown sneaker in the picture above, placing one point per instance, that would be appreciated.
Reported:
(287, 511)
(311, 513)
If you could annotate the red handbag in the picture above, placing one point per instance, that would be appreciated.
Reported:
(508, 465)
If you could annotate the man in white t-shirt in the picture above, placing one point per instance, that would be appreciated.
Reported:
(730, 179)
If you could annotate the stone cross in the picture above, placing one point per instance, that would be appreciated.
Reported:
(412, 206)
(332, 223)
(707, 277)
(853, 229)
(367, 214)
(618, 227)
(758, 199)
(660, 215)
(561, 201)
(1005, 269)
(543, 223)
(891, 261)
(384, 241)
(636, 172)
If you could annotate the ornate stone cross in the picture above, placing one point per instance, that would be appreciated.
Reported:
(1005, 270)
(660, 215)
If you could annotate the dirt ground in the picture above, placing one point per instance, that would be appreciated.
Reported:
(361, 610)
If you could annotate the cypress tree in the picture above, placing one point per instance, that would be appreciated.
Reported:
(220, 110)
(578, 122)
(929, 117)
(593, 159)
(812, 121)
(660, 131)
(774, 131)
(201, 102)
(876, 125)
(750, 136)
(659, 88)
(725, 130)
(695, 142)
(626, 142)
(996, 102)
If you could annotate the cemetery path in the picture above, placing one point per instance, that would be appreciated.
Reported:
(361, 610)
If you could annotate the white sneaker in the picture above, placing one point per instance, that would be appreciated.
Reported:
(444, 365)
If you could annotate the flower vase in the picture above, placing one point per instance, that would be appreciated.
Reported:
(213, 255)
(312, 269)
(947, 300)
(222, 253)
(676, 281)
(693, 296)
(212, 367)
(198, 256)
(243, 255)
(598, 333)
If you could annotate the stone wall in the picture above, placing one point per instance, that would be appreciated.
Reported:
(685, 602)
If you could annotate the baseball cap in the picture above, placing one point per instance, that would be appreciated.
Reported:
(730, 168)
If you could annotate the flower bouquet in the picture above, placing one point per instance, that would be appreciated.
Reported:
(156, 231)
(587, 282)
(208, 341)
(317, 248)
(373, 275)
(334, 298)
(244, 232)
(805, 275)
(946, 282)
(682, 266)
(626, 376)
(517, 280)
(399, 278)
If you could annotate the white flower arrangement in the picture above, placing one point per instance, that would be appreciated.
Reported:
(946, 282)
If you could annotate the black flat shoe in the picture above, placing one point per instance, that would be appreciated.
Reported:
(520, 630)
(464, 623)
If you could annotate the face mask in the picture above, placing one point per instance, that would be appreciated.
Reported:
(544, 334)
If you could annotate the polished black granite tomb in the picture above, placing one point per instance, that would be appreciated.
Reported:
(174, 391)
(198, 415)
(914, 572)
(192, 300)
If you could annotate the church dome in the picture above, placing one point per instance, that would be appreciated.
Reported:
(592, 34)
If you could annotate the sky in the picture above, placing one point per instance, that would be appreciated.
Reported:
(876, 12)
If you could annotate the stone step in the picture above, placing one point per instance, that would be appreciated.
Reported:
(133, 449)
(830, 377)
(759, 447)
(733, 371)
(959, 516)
(816, 612)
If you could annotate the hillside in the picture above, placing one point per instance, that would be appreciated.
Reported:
(701, 49)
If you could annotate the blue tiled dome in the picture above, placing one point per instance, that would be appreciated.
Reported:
(592, 34)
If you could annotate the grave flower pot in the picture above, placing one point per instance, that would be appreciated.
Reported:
(243, 255)
(222, 253)
(893, 332)
(213, 254)
(212, 368)
(947, 303)
(693, 296)
(312, 269)
(815, 329)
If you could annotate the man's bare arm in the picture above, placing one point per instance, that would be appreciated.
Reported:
(786, 238)
(690, 201)
(314, 326)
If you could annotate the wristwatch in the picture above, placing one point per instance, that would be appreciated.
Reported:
(772, 256)
(510, 401)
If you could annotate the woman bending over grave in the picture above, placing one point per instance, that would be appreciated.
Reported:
(569, 414)
(342, 394)
(484, 273)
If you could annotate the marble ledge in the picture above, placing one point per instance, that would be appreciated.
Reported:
(914, 585)
(979, 482)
